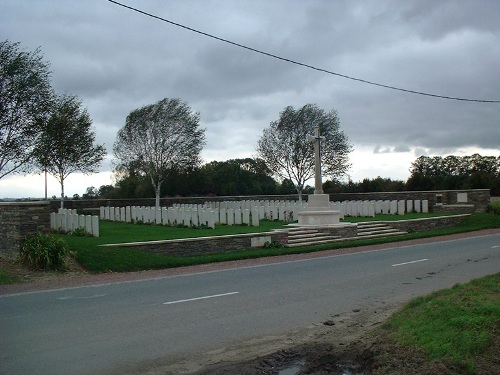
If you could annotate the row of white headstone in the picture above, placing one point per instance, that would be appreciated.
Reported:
(372, 208)
(208, 214)
(250, 212)
(68, 220)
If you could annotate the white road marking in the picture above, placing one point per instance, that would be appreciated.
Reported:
(87, 297)
(413, 261)
(198, 298)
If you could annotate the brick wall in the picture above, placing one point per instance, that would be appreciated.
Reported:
(18, 220)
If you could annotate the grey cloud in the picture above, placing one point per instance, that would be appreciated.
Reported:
(116, 61)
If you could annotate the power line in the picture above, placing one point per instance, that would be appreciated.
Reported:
(299, 63)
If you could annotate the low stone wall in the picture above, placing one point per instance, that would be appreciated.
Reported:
(455, 208)
(231, 243)
(18, 220)
(205, 245)
(418, 225)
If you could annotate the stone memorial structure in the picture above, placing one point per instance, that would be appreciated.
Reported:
(318, 212)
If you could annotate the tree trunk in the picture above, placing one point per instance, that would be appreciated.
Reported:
(62, 193)
(157, 193)
(299, 192)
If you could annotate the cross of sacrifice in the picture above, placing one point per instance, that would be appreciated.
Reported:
(316, 138)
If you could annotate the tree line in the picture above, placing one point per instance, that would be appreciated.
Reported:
(252, 177)
(455, 172)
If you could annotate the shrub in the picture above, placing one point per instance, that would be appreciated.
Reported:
(44, 251)
(273, 245)
(80, 232)
(494, 208)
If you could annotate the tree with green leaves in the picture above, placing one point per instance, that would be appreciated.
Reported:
(159, 138)
(26, 97)
(238, 177)
(286, 149)
(67, 144)
(455, 172)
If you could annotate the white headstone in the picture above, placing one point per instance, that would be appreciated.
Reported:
(81, 222)
(88, 224)
(95, 226)
(255, 217)
(223, 216)
(425, 206)
(230, 216)
(164, 216)
(394, 207)
(401, 207)
(417, 205)
(409, 206)
(210, 218)
(246, 216)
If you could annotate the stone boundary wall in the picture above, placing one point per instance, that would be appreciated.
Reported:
(480, 198)
(18, 220)
(418, 225)
(231, 243)
(204, 245)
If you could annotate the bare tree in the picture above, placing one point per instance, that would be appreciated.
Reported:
(67, 143)
(25, 101)
(158, 138)
(288, 152)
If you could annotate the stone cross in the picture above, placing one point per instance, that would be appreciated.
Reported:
(318, 188)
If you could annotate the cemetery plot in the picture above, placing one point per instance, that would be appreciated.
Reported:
(250, 212)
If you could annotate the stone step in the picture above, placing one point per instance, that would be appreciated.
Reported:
(298, 232)
(312, 243)
(311, 239)
(375, 231)
(371, 225)
(376, 235)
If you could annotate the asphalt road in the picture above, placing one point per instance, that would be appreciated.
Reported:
(98, 329)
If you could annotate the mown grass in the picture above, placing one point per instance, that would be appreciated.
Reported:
(7, 278)
(119, 259)
(458, 324)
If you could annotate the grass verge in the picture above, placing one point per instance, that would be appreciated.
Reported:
(458, 325)
(7, 278)
(99, 259)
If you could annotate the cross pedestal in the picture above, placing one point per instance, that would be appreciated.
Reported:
(318, 211)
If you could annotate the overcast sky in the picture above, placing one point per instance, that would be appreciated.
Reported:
(117, 60)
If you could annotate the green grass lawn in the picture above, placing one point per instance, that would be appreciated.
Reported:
(7, 278)
(458, 324)
(118, 259)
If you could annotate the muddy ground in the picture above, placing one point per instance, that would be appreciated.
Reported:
(350, 343)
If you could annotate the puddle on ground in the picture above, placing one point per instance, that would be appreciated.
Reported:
(295, 368)
(290, 370)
